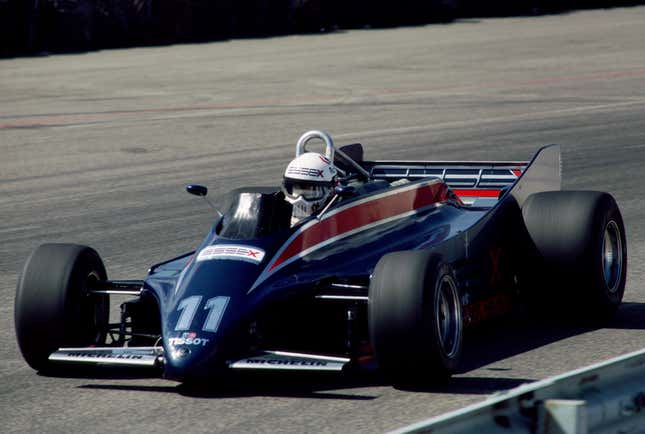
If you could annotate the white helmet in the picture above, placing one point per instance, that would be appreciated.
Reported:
(308, 184)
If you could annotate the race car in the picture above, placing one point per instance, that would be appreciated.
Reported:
(388, 274)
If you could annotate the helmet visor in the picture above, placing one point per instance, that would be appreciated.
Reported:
(308, 190)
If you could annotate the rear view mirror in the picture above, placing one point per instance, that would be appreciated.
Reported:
(345, 191)
(200, 190)
(197, 190)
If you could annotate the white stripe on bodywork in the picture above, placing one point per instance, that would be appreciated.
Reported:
(266, 273)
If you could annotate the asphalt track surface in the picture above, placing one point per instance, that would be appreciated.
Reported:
(96, 148)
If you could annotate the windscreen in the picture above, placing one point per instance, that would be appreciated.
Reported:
(255, 214)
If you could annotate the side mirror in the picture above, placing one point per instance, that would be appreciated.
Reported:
(197, 190)
(345, 191)
(200, 190)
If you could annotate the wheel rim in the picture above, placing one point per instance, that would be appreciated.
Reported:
(93, 311)
(448, 316)
(612, 256)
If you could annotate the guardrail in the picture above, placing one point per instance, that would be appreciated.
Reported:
(605, 397)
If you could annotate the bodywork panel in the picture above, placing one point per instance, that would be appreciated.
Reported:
(252, 266)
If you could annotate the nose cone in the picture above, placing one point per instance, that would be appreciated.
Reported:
(191, 355)
(200, 333)
(204, 317)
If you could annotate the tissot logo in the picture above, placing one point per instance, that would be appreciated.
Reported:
(189, 338)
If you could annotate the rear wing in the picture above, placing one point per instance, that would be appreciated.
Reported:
(473, 181)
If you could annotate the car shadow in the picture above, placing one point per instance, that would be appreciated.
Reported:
(99, 372)
(268, 384)
(285, 384)
(314, 386)
(525, 331)
(630, 316)
(483, 346)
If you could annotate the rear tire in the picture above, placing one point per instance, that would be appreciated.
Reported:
(53, 308)
(415, 318)
(581, 252)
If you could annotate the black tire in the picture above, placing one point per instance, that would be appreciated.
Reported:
(581, 252)
(410, 293)
(53, 308)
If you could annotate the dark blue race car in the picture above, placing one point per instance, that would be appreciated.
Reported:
(404, 257)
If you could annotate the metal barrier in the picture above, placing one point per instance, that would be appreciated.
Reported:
(605, 397)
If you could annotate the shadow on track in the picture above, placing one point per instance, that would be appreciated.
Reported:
(291, 385)
(631, 316)
(315, 386)
(492, 342)
(523, 332)
(99, 372)
(469, 386)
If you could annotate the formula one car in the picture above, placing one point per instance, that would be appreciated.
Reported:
(389, 274)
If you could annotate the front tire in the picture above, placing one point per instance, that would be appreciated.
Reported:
(415, 318)
(53, 307)
(581, 252)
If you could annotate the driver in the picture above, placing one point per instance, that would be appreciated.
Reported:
(308, 184)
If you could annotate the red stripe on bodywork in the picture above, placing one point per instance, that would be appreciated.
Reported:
(363, 214)
(478, 192)
(516, 172)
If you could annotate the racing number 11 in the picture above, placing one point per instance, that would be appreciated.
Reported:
(188, 307)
